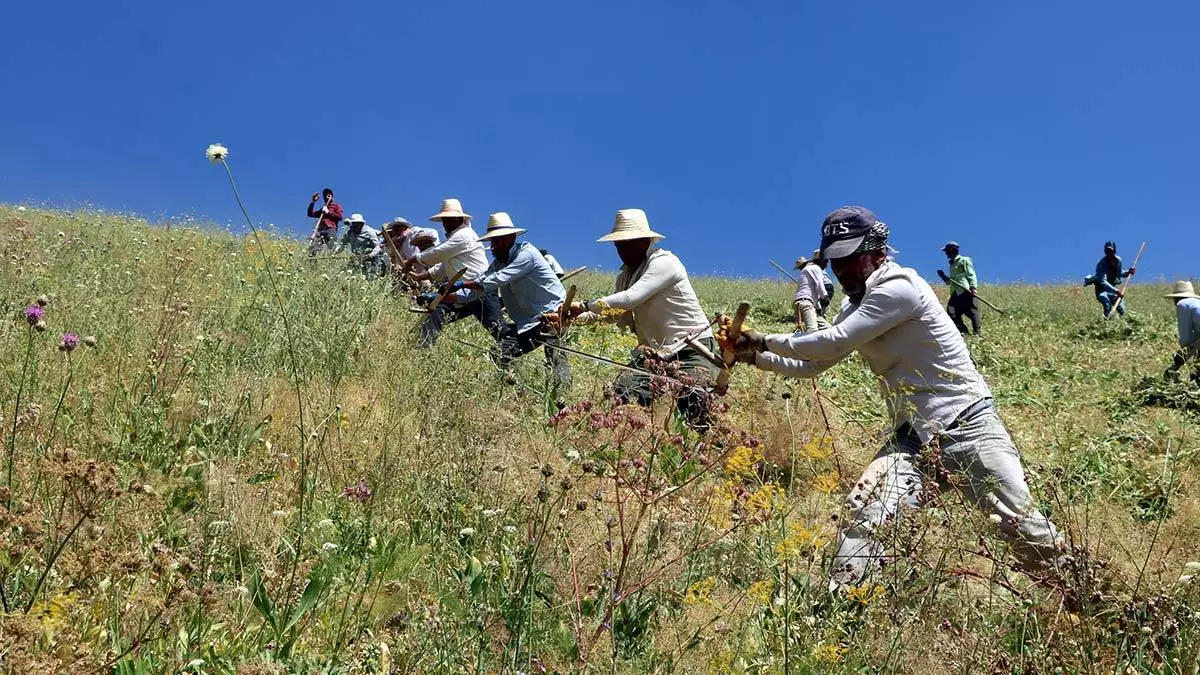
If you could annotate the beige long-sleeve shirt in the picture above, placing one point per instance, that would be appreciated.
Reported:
(660, 305)
(920, 359)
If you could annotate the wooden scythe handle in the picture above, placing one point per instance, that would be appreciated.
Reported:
(446, 290)
(564, 311)
(735, 331)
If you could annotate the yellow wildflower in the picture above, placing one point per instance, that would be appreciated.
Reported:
(826, 482)
(818, 448)
(763, 498)
(761, 591)
(698, 592)
(800, 541)
(865, 593)
(828, 653)
(741, 461)
(51, 613)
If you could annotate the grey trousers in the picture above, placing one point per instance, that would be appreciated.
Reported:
(978, 450)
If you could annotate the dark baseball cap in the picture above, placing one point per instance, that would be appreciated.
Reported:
(844, 230)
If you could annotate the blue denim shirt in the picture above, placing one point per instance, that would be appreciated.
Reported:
(527, 284)
(1107, 278)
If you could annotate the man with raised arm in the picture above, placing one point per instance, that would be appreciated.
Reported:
(937, 400)
(324, 237)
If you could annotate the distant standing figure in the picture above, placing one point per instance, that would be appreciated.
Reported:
(962, 282)
(813, 293)
(324, 237)
(1187, 313)
(364, 245)
(1107, 278)
(553, 263)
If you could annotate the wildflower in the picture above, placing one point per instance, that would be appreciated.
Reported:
(325, 523)
(818, 448)
(741, 461)
(42, 300)
(865, 593)
(34, 314)
(995, 519)
(467, 532)
(68, 342)
(763, 498)
(762, 590)
(800, 541)
(828, 653)
(358, 492)
(491, 513)
(329, 546)
(698, 592)
(279, 513)
(216, 153)
(826, 482)
(90, 340)
(510, 529)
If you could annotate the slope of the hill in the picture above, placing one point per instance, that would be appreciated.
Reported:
(253, 470)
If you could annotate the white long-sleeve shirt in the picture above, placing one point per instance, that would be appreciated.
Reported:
(408, 250)
(1187, 312)
(660, 305)
(462, 250)
(920, 359)
(554, 266)
(811, 286)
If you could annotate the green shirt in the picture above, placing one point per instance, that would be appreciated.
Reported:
(962, 275)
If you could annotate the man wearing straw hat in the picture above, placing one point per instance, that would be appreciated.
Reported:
(364, 245)
(814, 290)
(1187, 314)
(1107, 278)
(461, 251)
(940, 405)
(400, 237)
(529, 288)
(654, 298)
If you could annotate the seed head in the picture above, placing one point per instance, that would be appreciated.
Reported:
(216, 153)
(43, 300)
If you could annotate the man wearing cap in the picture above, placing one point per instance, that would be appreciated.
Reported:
(529, 288)
(938, 401)
(364, 245)
(814, 290)
(654, 298)
(553, 263)
(1107, 278)
(962, 282)
(1187, 314)
(461, 251)
(324, 236)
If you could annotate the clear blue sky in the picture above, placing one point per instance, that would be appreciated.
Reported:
(1029, 131)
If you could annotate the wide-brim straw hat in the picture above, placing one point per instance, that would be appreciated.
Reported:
(500, 224)
(1182, 289)
(631, 224)
(451, 208)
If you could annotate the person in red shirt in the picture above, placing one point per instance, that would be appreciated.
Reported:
(324, 237)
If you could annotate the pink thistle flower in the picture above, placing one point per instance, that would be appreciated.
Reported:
(68, 342)
(358, 492)
(34, 314)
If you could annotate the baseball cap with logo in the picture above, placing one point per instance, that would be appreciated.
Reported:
(844, 231)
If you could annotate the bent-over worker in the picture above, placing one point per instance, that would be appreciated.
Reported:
(1187, 316)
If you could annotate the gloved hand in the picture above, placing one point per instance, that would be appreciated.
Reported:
(747, 356)
(576, 309)
(424, 299)
(943, 277)
(1132, 270)
(750, 341)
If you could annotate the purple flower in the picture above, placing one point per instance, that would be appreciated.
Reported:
(358, 492)
(68, 343)
(34, 314)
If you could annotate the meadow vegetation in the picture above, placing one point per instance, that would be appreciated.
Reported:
(246, 467)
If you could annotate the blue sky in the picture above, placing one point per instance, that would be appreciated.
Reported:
(1030, 132)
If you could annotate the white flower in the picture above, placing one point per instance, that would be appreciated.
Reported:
(218, 524)
(241, 590)
(511, 529)
(467, 532)
(325, 523)
(216, 152)
(995, 518)
(280, 513)
(572, 454)
(491, 513)
(329, 546)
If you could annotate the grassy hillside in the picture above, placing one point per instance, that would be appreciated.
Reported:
(252, 470)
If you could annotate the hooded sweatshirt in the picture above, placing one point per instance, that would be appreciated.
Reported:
(918, 356)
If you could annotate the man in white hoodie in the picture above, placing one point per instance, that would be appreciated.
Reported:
(936, 397)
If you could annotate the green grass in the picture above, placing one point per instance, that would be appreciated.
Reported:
(176, 500)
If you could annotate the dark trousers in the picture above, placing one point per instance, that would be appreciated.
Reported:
(323, 242)
(485, 308)
(691, 401)
(964, 305)
(514, 345)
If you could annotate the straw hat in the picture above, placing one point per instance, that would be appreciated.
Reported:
(1182, 289)
(355, 218)
(631, 224)
(500, 224)
(451, 208)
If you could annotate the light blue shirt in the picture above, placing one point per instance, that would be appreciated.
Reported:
(527, 284)
(365, 243)
(1187, 311)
